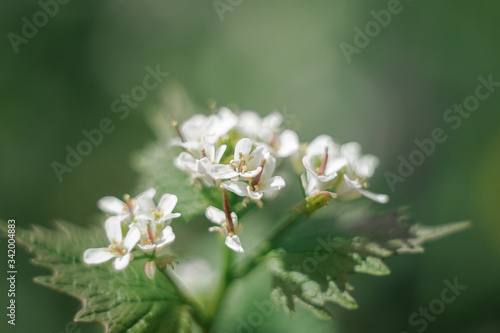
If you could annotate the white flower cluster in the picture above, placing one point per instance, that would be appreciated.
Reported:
(144, 224)
(238, 153)
(259, 143)
(342, 168)
(247, 171)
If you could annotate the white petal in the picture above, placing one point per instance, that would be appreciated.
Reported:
(167, 203)
(352, 183)
(289, 144)
(303, 180)
(243, 147)
(254, 195)
(234, 243)
(192, 146)
(148, 249)
(194, 127)
(209, 151)
(97, 255)
(209, 138)
(167, 236)
(251, 174)
(273, 184)
(351, 151)
(148, 193)
(133, 236)
(258, 154)
(215, 215)
(317, 146)
(380, 198)
(144, 207)
(307, 161)
(222, 171)
(222, 231)
(269, 168)
(226, 120)
(142, 224)
(334, 164)
(313, 185)
(218, 154)
(327, 178)
(186, 161)
(234, 218)
(170, 216)
(122, 262)
(237, 187)
(111, 205)
(366, 165)
(250, 123)
(113, 229)
(203, 165)
(145, 215)
(272, 120)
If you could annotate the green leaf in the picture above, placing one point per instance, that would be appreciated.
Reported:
(316, 273)
(388, 234)
(125, 301)
(316, 278)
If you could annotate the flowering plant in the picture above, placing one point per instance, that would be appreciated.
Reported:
(214, 171)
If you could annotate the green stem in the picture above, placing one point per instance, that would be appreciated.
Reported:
(231, 272)
(302, 210)
(227, 278)
(284, 223)
(197, 312)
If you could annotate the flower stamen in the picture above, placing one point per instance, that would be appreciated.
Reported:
(256, 180)
(177, 129)
(227, 211)
(321, 169)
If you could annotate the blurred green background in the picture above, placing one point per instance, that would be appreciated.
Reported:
(265, 55)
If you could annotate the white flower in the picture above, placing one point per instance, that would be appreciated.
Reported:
(225, 120)
(153, 222)
(262, 183)
(266, 131)
(228, 228)
(201, 129)
(162, 212)
(245, 163)
(252, 125)
(201, 167)
(322, 162)
(358, 169)
(119, 248)
(351, 189)
(154, 236)
(288, 144)
(358, 165)
(124, 210)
